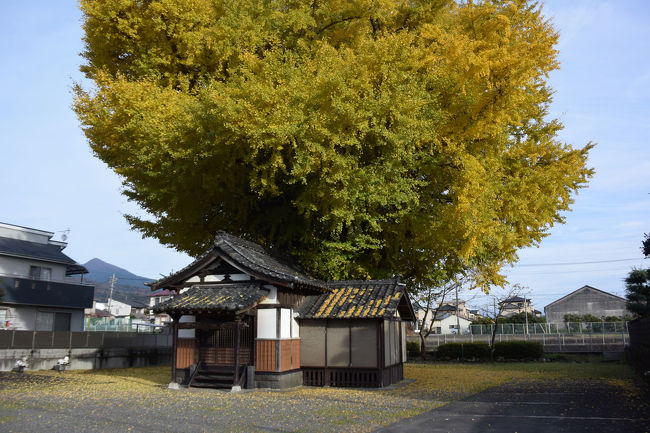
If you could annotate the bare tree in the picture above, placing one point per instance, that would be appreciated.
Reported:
(497, 302)
(430, 299)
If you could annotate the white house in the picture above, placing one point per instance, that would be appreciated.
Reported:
(448, 324)
(444, 310)
(114, 307)
(516, 305)
(36, 294)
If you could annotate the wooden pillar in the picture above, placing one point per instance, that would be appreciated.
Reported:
(175, 319)
(235, 380)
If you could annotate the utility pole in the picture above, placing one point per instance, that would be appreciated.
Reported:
(457, 318)
(526, 313)
(110, 297)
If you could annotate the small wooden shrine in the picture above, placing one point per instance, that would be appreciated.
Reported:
(244, 318)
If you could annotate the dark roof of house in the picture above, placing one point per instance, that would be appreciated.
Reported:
(443, 316)
(513, 299)
(249, 258)
(137, 304)
(75, 269)
(99, 313)
(34, 250)
(165, 292)
(235, 297)
(371, 299)
(447, 307)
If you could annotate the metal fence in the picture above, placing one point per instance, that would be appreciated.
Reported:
(120, 324)
(12, 339)
(559, 342)
(551, 328)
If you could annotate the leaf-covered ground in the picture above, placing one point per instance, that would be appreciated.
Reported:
(137, 399)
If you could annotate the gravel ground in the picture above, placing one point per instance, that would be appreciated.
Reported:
(136, 400)
(74, 403)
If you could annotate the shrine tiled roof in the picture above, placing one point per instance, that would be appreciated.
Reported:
(249, 258)
(371, 299)
(255, 258)
(235, 297)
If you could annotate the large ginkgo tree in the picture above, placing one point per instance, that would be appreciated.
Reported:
(363, 138)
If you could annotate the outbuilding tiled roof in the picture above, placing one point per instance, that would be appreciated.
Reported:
(371, 299)
(235, 297)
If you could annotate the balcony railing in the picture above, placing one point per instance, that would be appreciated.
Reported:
(26, 291)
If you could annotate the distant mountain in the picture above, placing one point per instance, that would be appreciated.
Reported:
(129, 287)
(101, 272)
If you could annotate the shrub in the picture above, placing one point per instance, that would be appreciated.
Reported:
(518, 350)
(452, 351)
(476, 351)
(449, 351)
(413, 348)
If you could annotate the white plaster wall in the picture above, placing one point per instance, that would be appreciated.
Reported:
(23, 318)
(285, 323)
(118, 308)
(18, 267)
(266, 323)
(24, 234)
(295, 328)
(272, 297)
(187, 333)
(218, 277)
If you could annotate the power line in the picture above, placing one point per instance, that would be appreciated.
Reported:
(578, 263)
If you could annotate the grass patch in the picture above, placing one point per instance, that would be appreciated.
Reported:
(453, 381)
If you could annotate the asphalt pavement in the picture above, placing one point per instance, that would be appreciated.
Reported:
(537, 406)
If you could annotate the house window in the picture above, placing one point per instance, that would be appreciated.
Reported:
(40, 273)
(62, 321)
(44, 321)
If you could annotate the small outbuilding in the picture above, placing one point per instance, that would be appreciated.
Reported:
(244, 317)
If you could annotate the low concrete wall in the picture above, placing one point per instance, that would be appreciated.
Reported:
(86, 358)
(86, 350)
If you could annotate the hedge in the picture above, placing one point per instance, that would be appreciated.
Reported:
(452, 351)
(518, 350)
(413, 348)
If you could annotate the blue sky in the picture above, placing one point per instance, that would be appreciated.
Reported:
(51, 181)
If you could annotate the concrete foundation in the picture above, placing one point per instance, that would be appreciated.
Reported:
(286, 379)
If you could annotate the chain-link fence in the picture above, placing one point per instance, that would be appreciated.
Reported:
(120, 324)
